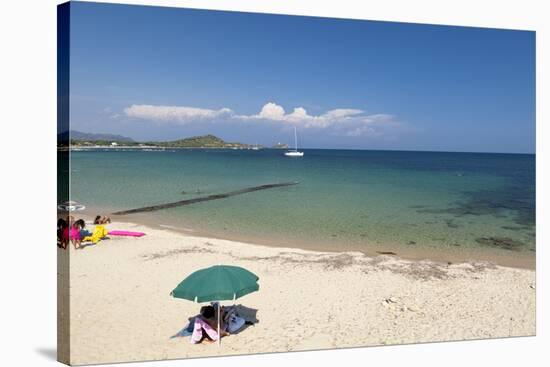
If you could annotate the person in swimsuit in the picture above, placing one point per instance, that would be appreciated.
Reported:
(74, 233)
(61, 226)
(83, 231)
(210, 315)
(102, 220)
(66, 236)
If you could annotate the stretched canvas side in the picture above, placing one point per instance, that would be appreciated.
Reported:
(63, 179)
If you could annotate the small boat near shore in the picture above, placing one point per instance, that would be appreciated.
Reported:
(295, 152)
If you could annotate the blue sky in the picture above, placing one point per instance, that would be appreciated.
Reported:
(155, 73)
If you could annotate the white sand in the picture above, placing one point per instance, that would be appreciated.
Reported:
(121, 309)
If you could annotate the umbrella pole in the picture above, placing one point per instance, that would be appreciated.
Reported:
(219, 333)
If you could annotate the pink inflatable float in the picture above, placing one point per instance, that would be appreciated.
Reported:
(126, 233)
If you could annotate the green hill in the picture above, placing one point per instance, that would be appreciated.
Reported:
(80, 136)
(205, 141)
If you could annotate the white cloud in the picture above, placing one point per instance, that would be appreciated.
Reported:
(343, 121)
(272, 111)
(179, 114)
(362, 131)
(341, 113)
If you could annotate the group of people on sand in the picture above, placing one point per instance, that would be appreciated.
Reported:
(205, 325)
(74, 231)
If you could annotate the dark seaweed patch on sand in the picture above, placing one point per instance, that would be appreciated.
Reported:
(504, 243)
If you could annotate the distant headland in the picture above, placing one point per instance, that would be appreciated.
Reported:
(88, 141)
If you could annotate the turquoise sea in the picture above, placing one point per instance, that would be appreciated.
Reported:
(345, 200)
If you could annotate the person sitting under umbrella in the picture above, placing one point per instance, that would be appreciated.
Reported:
(211, 312)
(205, 327)
(216, 283)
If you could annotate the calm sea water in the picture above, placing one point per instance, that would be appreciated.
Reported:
(345, 199)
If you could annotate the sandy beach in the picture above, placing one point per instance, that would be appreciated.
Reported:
(121, 308)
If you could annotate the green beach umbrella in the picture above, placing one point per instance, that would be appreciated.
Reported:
(217, 283)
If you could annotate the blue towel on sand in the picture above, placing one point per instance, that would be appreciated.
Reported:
(186, 331)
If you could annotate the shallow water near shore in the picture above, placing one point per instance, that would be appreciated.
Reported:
(409, 202)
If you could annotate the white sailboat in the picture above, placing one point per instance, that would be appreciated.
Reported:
(295, 152)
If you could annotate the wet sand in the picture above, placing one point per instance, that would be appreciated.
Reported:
(524, 259)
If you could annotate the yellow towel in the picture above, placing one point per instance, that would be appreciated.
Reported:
(99, 232)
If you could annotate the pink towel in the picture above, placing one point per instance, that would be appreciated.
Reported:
(199, 326)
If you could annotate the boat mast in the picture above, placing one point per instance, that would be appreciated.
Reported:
(295, 140)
